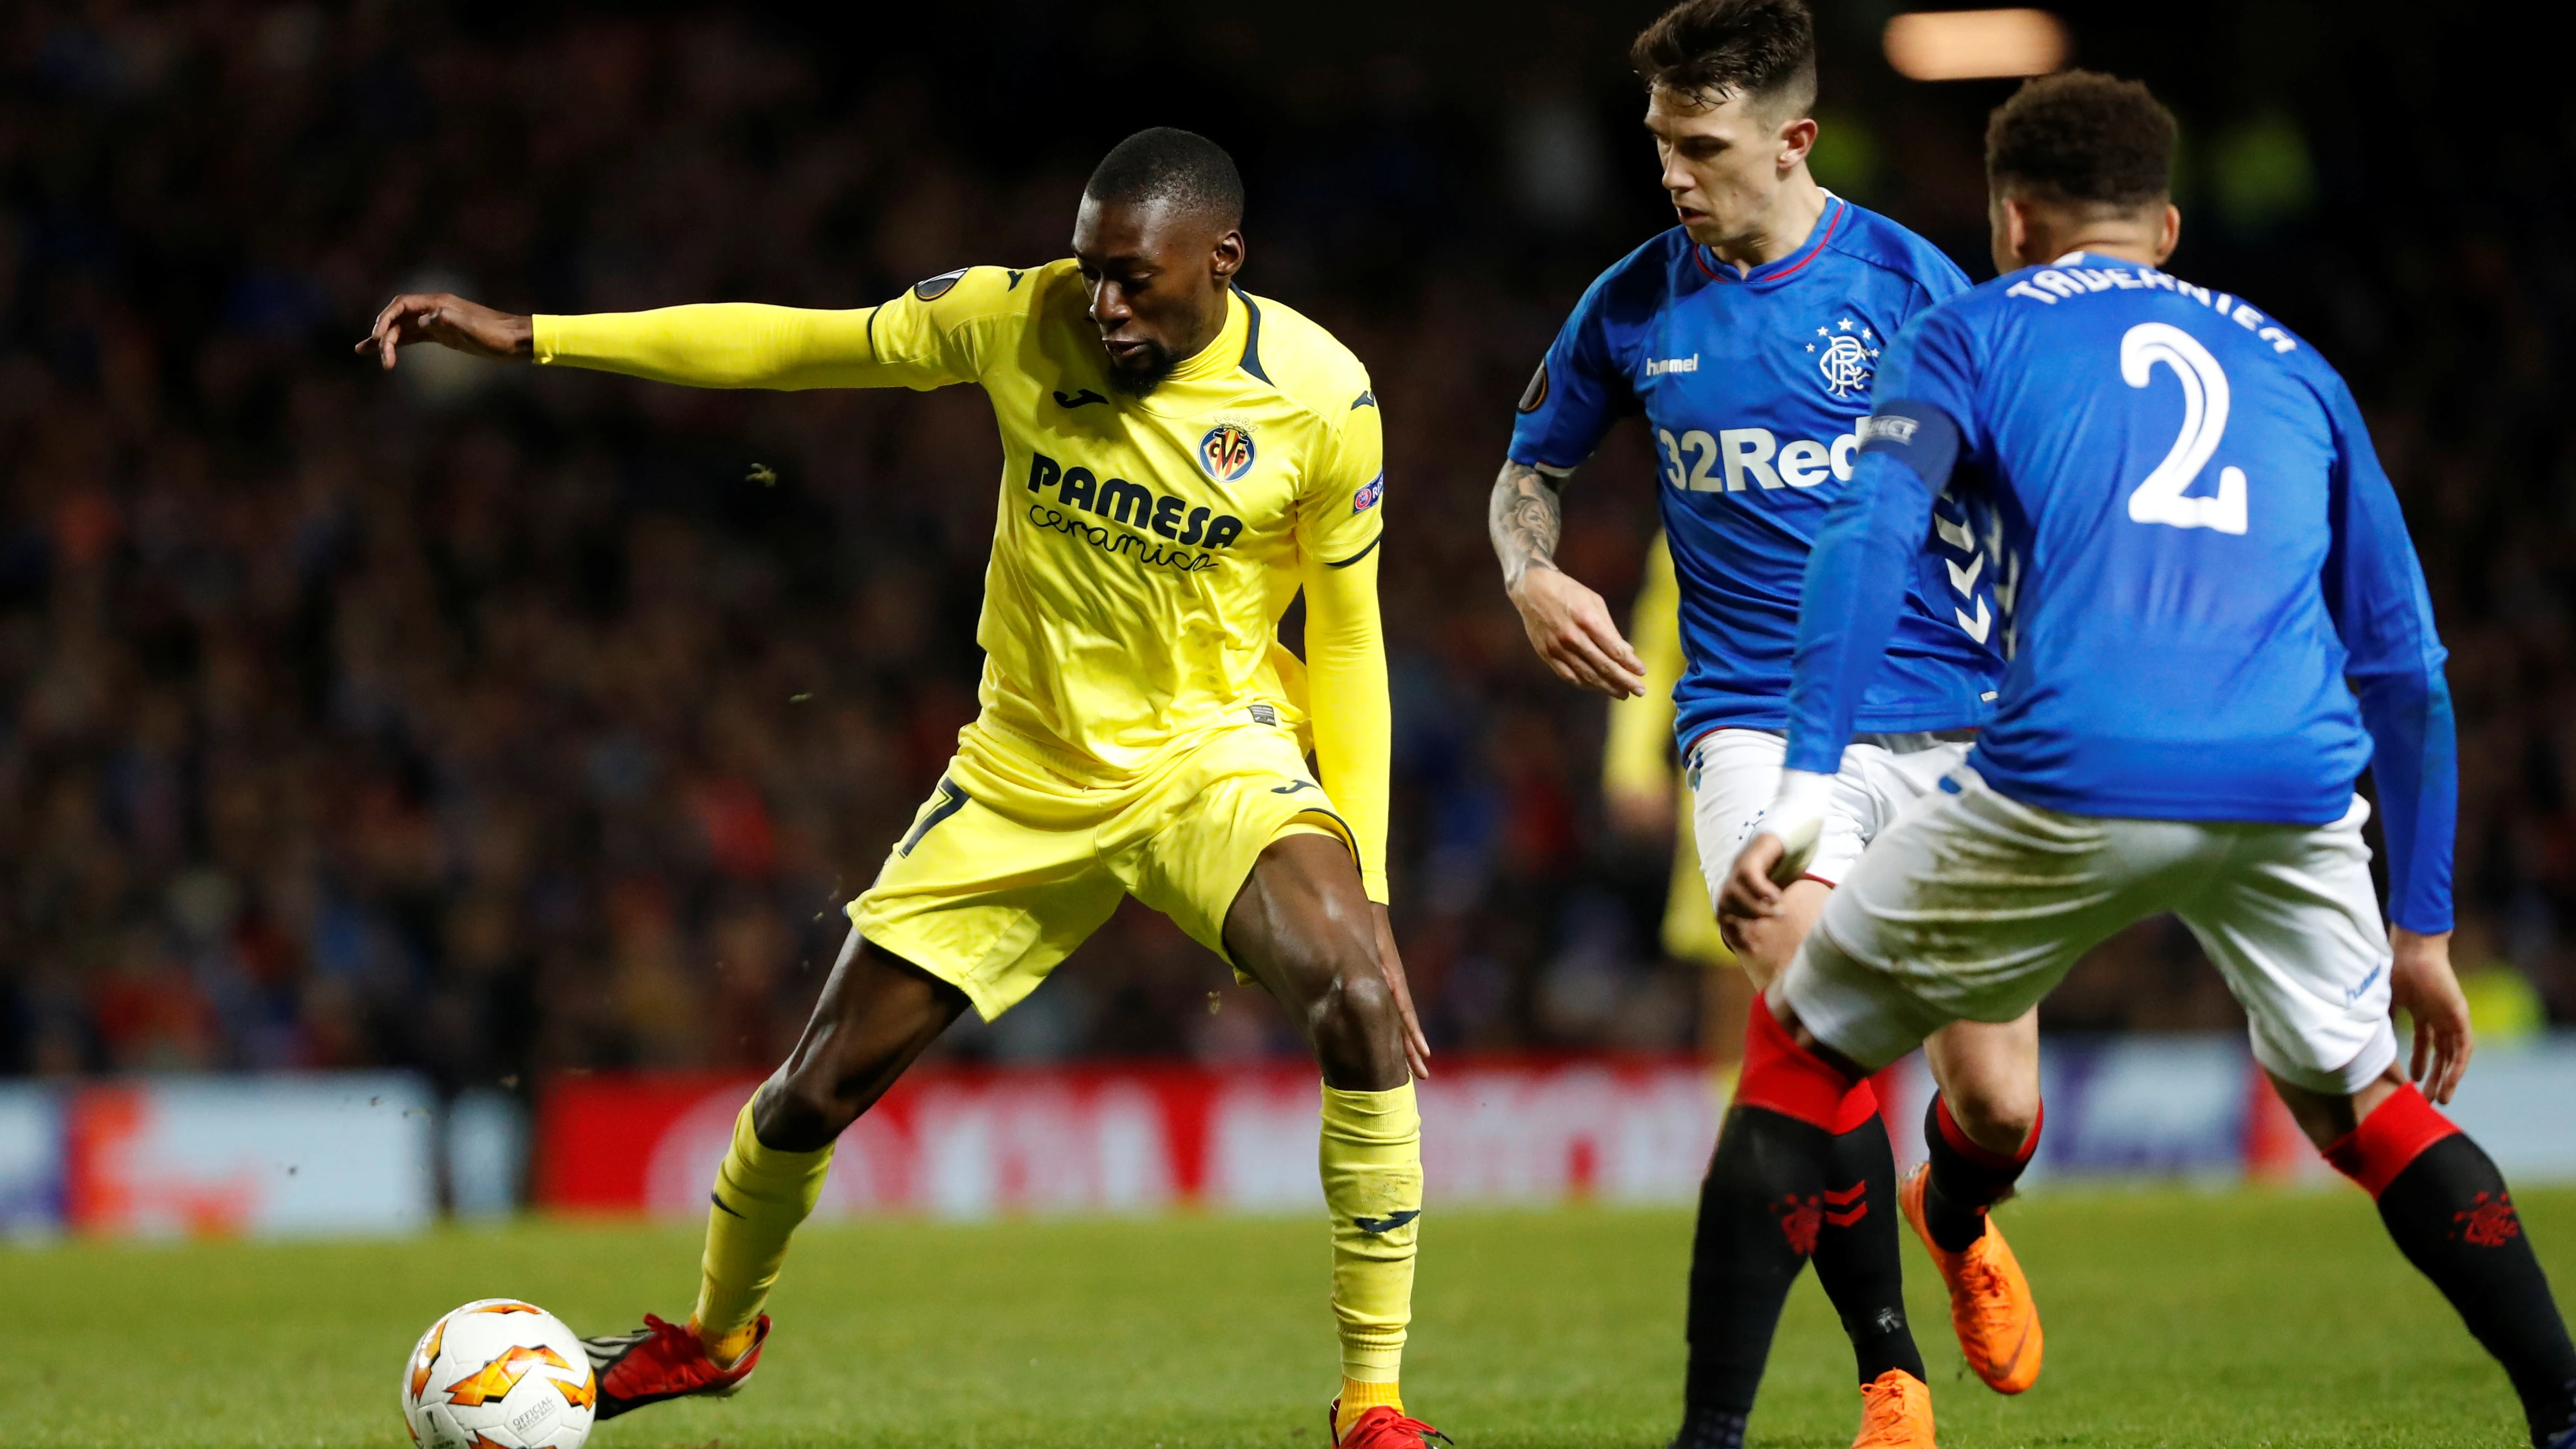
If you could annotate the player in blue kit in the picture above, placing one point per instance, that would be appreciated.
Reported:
(1747, 336)
(2221, 624)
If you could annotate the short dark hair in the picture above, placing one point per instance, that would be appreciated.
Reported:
(2083, 138)
(1712, 50)
(1171, 165)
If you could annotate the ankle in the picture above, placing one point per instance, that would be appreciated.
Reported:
(725, 1350)
(1711, 1428)
(1358, 1398)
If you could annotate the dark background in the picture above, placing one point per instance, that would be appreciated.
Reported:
(491, 722)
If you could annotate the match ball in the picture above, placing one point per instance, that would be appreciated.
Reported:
(499, 1374)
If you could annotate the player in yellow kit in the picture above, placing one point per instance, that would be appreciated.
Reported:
(1180, 458)
(1638, 780)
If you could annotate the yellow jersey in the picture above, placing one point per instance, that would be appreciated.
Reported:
(1145, 548)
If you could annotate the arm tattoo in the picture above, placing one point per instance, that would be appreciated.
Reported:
(1525, 519)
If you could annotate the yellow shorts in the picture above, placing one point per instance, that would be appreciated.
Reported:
(1010, 865)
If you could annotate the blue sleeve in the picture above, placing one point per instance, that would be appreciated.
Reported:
(1865, 552)
(2375, 589)
(1578, 392)
(1857, 572)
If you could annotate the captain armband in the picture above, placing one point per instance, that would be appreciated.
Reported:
(1918, 433)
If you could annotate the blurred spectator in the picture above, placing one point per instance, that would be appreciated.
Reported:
(494, 723)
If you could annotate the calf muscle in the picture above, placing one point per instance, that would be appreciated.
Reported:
(877, 1014)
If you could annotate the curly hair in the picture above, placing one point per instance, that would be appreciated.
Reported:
(1714, 50)
(2085, 138)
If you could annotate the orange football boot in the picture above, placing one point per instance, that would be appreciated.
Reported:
(1895, 1413)
(1383, 1427)
(1990, 1304)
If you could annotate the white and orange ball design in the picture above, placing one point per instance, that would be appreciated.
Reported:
(499, 1374)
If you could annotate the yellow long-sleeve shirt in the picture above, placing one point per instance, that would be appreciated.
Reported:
(1146, 547)
(1637, 758)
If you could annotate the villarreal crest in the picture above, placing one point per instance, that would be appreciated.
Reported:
(1226, 452)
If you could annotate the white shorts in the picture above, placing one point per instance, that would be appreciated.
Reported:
(1975, 906)
(1734, 774)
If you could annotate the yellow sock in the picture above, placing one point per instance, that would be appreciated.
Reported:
(1371, 1158)
(761, 1194)
(1358, 1398)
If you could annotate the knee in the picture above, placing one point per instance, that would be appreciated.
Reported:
(1996, 1114)
(1353, 1025)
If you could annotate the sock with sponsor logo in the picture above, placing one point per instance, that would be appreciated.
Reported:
(1966, 1179)
(1760, 1211)
(1371, 1156)
(2448, 1208)
(760, 1195)
(1856, 1255)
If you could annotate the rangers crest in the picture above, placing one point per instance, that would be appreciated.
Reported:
(1847, 366)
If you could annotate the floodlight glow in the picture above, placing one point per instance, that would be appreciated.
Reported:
(1934, 45)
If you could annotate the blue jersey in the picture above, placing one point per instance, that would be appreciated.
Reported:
(2213, 609)
(1755, 384)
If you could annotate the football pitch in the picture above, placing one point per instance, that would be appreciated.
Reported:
(2174, 1318)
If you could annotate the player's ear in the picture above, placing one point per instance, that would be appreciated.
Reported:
(1797, 138)
(2169, 233)
(2011, 233)
(1226, 258)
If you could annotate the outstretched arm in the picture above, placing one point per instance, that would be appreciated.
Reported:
(721, 344)
(933, 334)
(1568, 624)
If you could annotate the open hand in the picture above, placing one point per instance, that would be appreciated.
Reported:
(2420, 983)
(450, 321)
(1570, 628)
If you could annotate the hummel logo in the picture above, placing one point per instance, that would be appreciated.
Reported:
(1015, 281)
(1078, 399)
(1293, 786)
(1364, 400)
(1380, 1227)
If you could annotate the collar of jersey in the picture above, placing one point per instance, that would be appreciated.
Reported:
(1817, 236)
(1211, 363)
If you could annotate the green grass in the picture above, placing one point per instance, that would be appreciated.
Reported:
(2174, 1319)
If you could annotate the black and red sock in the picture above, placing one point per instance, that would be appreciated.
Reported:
(1966, 1178)
(2448, 1208)
(1856, 1253)
(1761, 1212)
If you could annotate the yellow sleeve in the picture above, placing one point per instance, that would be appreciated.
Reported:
(1637, 758)
(938, 332)
(1353, 721)
(1337, 532)
(1338, 512)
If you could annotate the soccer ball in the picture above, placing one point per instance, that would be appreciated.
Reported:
(499, 1374)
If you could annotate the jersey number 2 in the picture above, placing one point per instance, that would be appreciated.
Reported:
(2204, 418)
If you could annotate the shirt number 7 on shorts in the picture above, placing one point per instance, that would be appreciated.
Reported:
(2204, 418)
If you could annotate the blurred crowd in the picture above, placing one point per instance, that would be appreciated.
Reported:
(493, 723)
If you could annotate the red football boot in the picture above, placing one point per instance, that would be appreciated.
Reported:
(663, 1361)
(1383, 1427)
